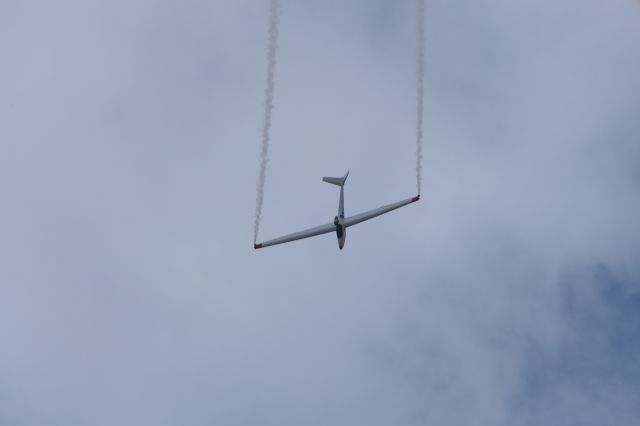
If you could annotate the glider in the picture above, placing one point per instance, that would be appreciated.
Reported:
(340, 223)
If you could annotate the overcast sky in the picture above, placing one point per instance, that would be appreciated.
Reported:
(130, 293)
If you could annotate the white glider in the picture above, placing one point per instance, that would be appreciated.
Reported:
(340, 223)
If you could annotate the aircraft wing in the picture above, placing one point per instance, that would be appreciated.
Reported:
(311, 232)
(354, 220)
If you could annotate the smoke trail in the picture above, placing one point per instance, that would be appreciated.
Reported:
(419, 91)
(268, 109)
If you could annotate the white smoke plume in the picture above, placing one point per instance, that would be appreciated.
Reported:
(419, 90)
(268, 109)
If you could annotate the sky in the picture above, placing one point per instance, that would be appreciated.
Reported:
(130, 292)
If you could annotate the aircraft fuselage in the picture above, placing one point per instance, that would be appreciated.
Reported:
(338, 221)
(341, 230)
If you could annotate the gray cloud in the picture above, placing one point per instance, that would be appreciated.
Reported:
(129, 291)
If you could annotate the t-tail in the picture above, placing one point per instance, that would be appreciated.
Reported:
(336, 180)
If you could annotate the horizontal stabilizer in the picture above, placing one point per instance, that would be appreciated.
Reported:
(336, 180)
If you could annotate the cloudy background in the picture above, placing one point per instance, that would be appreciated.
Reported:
(129, 289)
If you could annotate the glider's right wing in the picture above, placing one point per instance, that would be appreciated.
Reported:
(353, 220)
(311, 232)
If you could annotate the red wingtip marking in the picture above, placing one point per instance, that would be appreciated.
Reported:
(257, 246)
(416, 198)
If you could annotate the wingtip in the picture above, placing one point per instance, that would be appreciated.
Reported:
(257, 246)
(416, 198)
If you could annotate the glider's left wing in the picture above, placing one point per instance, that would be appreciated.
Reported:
(311, 232)
(353, 220)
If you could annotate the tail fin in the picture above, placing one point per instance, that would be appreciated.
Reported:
(336, 181)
